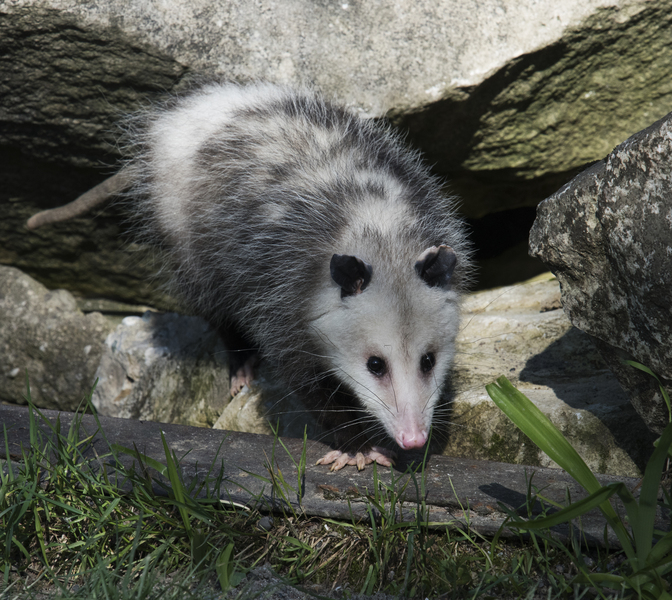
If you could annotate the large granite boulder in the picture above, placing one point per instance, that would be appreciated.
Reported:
(608, 237)
(506, 99)
(511, 83)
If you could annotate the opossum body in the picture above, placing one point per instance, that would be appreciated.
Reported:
(319, 239)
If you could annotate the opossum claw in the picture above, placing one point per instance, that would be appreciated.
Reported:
(382, 456)
(244, 375)
(340, 459)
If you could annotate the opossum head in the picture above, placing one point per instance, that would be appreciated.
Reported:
(389, 337)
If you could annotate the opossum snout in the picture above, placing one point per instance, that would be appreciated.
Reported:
(411, 438)
(410, 427)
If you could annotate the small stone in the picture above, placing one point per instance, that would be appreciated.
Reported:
(265, 523)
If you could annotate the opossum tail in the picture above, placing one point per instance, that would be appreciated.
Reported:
(87, 201)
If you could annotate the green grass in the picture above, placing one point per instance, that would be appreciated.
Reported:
(78, 525)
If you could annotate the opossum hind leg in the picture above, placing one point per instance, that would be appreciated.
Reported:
(243, 375)
(243, 357)
(339, 459)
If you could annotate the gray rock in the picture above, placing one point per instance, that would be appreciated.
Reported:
(521, 332)
(507, 99)
(163, 367)
(174, 369)
(44, 335)
(483, 86)
(608, 237)
(263, 582)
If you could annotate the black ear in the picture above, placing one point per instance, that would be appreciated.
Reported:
(352, 274)
(436, 265)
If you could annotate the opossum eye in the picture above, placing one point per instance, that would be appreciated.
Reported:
(427, 362)
(376, 365)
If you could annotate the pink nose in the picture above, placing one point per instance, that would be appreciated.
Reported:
(411, 439)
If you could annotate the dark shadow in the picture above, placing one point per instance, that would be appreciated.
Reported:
(517, 501)
(503, 259)
(485, 233)
(566, 366)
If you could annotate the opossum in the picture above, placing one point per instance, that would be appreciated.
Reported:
(315, 237)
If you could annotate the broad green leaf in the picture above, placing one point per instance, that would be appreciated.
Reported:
(224, 567)
(662, 548)
(537, 426)
(648, 497)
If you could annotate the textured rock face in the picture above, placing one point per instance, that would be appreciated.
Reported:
(608, 238)
(506, 99)
(487, 86)
(174, 369)
(45, 335)
(521, 332)
(163, 367)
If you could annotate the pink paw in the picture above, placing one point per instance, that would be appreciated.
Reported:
(245, 375)
(360, 459)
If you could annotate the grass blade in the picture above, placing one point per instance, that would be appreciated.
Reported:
(648, 498)
(147, 460)
(661, 549)
(538, 427)
(663, 391)
(573, 511)
(176, 484)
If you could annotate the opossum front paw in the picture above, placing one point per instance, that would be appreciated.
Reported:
(340, 459)
(244, 375)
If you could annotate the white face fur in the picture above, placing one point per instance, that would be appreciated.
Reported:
(394, 355)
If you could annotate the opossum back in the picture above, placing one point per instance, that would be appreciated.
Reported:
(254, 189)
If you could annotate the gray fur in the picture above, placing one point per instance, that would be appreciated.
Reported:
(254, 189)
